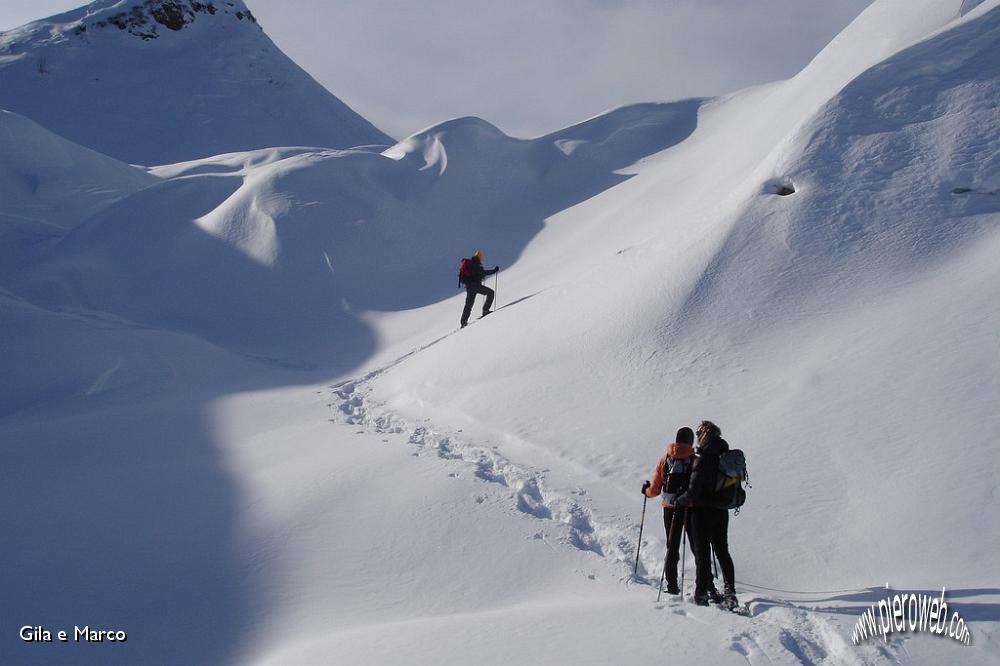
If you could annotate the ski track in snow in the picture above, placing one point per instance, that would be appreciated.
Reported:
(780, 631)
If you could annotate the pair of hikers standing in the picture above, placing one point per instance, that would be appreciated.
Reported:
(471, 275)
(687, 478)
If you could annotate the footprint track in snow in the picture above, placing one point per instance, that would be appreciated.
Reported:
(778, 633)
(575, 523)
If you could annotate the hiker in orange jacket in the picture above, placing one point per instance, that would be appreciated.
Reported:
(670, 478)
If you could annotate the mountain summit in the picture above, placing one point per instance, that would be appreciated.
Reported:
(161, 81)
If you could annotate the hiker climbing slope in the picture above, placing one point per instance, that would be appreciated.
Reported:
(471, 274)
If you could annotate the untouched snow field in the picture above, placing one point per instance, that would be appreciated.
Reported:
(238, 423)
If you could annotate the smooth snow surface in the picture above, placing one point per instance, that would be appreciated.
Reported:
(239, 421)
(47, 180)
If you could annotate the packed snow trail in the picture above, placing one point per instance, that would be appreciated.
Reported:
(782, 630)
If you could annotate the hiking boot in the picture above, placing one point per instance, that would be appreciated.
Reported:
(486, 312)
(673, 589)
(729, 600)
(700, 599)
(714, 596)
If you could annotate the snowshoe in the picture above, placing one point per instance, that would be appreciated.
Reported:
(741, 609)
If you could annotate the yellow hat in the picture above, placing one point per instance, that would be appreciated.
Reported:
(478, 254)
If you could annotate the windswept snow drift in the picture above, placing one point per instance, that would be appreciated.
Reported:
(49, 185)
(475, 495)
(273, 253)
(47, 180)
(158, 81)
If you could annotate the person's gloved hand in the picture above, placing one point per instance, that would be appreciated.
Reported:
(645, 487)
(496, 268)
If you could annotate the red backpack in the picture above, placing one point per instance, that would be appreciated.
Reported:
(466, 271)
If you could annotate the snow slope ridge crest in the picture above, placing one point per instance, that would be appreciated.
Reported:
(48, 180)
(612, 140)
(145, 19)
(165, 81)
(469, 134)
(893, 121)
(969, 5)
(885, 27)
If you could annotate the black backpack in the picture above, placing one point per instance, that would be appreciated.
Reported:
(676, 475)
(729, 491)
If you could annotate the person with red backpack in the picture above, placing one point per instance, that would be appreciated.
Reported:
(671, 477)
(470, 275)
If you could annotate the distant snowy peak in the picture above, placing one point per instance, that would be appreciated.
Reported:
(145, 19)
(164, 81)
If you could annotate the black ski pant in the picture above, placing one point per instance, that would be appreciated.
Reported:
(673, 524)
(709, 529)
(471, 291)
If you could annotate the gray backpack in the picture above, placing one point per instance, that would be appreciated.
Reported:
(729, 491)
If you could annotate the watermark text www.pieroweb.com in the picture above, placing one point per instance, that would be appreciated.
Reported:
(912, 612)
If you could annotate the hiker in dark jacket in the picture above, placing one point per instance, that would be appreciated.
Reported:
(671, 477)
(709, 525)
(472, 279)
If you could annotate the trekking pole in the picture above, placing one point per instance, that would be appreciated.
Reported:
(496, 292)
(683, 550)
(642, 521)
(663, 573)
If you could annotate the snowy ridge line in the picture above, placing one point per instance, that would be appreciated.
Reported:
(578, 525)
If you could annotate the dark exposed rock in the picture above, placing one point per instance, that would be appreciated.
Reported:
(204, 7)
(169, 14)
(142, 20)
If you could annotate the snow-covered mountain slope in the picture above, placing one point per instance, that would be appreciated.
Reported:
(437, 496)
(49, 184)
(843, 329)
(274, 253)
(159, 81)
(50, 181)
